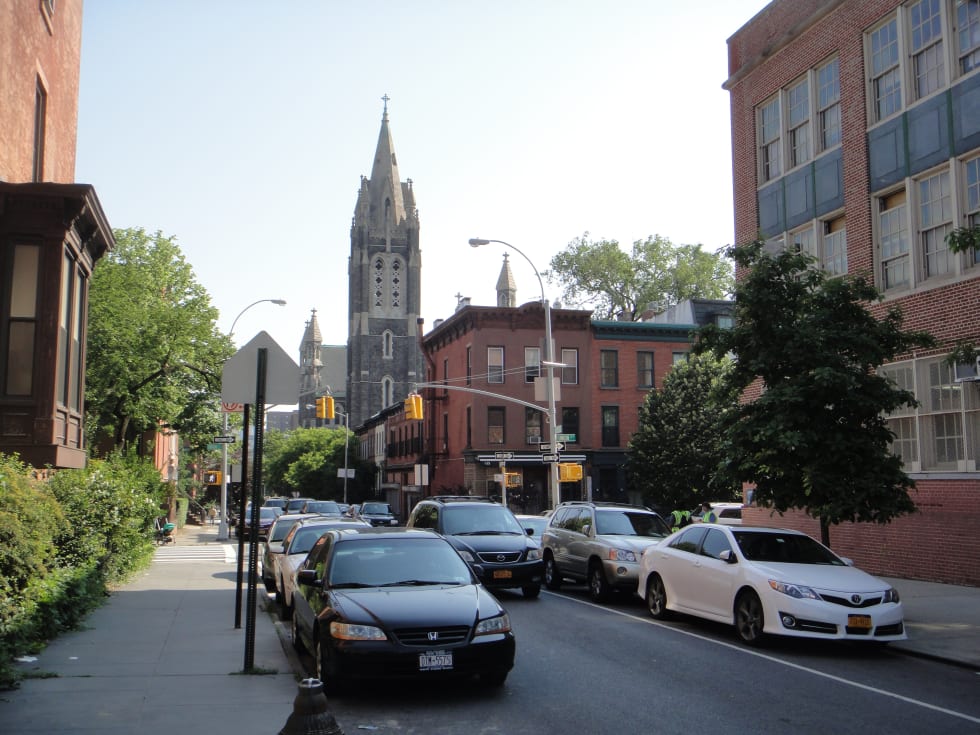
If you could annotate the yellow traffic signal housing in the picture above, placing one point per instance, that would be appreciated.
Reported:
(413, 407)
(330, 407)
(321, 407)
(569, 472)
(513, 479)
(213, 477)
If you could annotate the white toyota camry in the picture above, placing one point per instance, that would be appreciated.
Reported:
(767, 581)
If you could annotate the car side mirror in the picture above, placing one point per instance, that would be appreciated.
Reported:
(307, 577)
(847, 560)
(728, 556)
(587, 529)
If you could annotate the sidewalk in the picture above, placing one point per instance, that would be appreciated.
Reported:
(162, 656)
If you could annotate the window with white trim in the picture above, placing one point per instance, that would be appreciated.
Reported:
(886, 75)
(569, 361)
(935, 220)
(769, 141)
(495, 364)
(893, 239)
(828, 104)
(968, 34)
(941, 433)
(798, 120)
(825, 240)
(532, 363)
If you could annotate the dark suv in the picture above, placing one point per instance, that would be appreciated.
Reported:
(377, 514)
(599, 543)
(488, 537)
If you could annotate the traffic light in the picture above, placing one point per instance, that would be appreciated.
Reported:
(321, 407)
(413, 407)
(330, 407)
(212, 477)
(569, 472)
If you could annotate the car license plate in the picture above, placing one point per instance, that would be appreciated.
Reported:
(858, 621)
(435, 661)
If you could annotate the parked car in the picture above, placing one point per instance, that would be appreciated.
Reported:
(534, 525)
(273, 546)
(599, 543)
(488, 537)
(323, 507)
(397, 603)
(267, 515)
(727, 514)
(275, 503)
(377, 514)
(295, 505)
(766, 580)
(295, 546)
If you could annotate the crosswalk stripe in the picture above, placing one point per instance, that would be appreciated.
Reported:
(225, 553)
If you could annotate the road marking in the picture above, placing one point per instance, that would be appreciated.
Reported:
(773, 659)
(210, 552)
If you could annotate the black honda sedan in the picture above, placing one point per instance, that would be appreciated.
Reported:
(385, 603)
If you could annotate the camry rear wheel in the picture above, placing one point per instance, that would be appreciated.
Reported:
(656, 597)
(749, 618)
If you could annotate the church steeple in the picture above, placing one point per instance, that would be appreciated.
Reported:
(506, 285)
(387, 206)
(311, 367)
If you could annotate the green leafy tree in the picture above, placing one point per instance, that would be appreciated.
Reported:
(815, 437)
(601, 275)
(305, 462)
(674, 454)
(154, 351)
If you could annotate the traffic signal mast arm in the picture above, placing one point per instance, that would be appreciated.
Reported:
(443, 386)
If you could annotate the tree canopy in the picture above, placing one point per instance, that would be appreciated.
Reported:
(305, 462)
(815, 437)
(674, 453)
(154, 351)
(601, 275)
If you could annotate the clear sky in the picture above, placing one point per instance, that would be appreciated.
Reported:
(242, 128)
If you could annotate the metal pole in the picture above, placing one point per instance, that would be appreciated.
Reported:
(554, 485)
(346, 437)
(223, 525)
(253, 537)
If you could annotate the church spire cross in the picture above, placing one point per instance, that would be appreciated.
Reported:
(386, 98)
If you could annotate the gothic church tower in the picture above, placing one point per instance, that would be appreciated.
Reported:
(383, 356)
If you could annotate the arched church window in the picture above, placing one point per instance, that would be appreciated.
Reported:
(379, 282)
(387, 387)
(388, 344)
(396, 283)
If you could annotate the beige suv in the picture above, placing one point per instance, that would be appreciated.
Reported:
(600, 544)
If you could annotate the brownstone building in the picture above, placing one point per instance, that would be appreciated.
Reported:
(856, 137)
(52, 231)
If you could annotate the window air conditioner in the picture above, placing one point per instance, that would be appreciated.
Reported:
(534, 440)
(964, 372)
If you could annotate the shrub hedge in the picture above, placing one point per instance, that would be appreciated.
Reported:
(64, 540)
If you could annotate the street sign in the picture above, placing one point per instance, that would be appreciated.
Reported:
(227, 439)
(549, 458)
(565, 437)
(548, 448)
(503, 455)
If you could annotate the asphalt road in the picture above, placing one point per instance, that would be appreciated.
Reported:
(612, 670)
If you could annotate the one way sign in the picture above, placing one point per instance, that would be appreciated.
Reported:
(550, 448)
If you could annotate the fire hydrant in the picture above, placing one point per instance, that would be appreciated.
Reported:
(311, 715)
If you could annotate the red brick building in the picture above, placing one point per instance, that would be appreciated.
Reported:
(52, 231)
(856, 137)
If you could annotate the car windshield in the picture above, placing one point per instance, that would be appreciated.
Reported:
(396, 562)
(629, 523)
(322, 506)
(281, 527)
(477, 519)
(785, 548)
(377, 508)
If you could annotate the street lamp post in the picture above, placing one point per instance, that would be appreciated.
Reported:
(223, 527)
(549, 362)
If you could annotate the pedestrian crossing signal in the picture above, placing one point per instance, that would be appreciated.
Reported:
(212, 477)
(569, 472)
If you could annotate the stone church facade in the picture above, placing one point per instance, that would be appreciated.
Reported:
(384, 360)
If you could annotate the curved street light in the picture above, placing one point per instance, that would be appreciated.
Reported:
(223, 527)
(549, 363)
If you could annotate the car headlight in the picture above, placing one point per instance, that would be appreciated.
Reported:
(794, 590)
(353, 632)
(621, 555)
(533, 554)
(467, 556)
(491, 626)
(890, 595)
